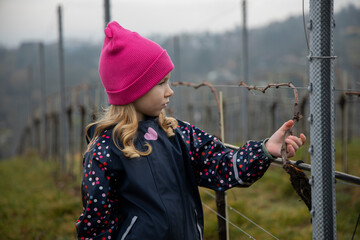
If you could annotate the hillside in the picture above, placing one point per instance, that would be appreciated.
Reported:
(277, 52)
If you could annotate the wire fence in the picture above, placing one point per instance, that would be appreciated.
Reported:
(238, 213)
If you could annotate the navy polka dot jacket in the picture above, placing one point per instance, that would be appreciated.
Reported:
(156, 196)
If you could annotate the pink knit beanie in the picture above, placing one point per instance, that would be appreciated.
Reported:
(130, 65)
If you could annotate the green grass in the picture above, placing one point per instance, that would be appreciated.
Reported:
(37, 202)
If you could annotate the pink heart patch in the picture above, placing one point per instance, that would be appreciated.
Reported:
(151, 134)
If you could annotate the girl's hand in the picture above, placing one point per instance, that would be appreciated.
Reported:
(293, 143)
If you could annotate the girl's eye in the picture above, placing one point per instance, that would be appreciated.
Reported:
(163, 82)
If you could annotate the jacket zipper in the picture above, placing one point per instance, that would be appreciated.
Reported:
(133, 220)
(198, 226)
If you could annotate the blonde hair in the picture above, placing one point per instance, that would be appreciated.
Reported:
(124, 121)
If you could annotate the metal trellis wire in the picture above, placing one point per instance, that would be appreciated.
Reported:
(237, 227)
(242, 215)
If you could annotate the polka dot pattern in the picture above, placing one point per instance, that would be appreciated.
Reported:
(215, 166)
(98, 220)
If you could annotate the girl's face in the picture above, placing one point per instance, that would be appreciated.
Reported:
(155, 100)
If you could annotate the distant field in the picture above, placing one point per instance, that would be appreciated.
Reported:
(37, 203)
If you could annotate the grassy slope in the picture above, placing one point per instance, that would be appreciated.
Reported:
(35, 203)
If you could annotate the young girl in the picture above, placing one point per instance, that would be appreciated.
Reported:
(142, 169)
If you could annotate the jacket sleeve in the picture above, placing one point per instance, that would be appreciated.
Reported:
(221, 168)
(97, 220)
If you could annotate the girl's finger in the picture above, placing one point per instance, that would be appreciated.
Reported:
(293, 143)
(290, 151)
(303, 138)
(297, 140)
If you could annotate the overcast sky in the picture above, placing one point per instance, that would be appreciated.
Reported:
(36, 20)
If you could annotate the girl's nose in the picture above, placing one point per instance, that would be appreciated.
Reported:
(169, 92)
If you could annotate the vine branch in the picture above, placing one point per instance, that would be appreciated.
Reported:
(298, 179)
(213, 90)
(296, 116)
(353, 93)
(196, 86)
